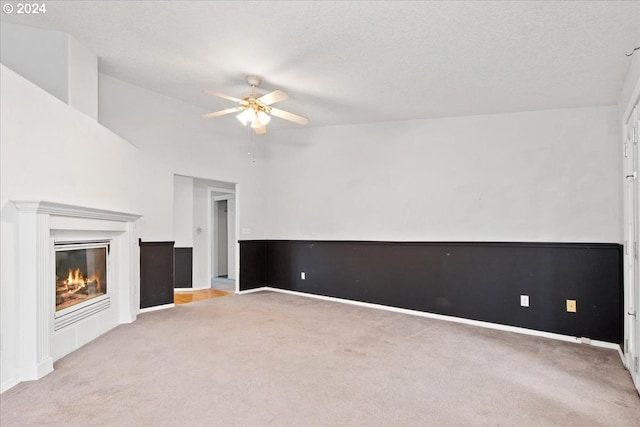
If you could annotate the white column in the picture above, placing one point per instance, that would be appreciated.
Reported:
(35, 286)
(128, 273)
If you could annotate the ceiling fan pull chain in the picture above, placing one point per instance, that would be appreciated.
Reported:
(248, 139)
(250, 142)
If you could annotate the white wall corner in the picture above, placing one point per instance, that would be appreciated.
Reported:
(40, 56)
(82, 78)
(54, 61)
(183, 211)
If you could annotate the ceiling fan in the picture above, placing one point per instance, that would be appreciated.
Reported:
(255, 109)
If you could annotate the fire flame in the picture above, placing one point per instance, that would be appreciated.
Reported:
(76, 281)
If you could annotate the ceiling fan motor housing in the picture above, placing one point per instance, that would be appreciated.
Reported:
(254, 81)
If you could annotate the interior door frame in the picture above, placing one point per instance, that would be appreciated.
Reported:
(232, 239)
(631, 225)
(211, 224)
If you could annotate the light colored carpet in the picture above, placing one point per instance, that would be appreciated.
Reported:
(283, 360)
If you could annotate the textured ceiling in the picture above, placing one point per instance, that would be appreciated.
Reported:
(360, 62)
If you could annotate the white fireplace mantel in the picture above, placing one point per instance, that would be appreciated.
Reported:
(38, 224)
(60, 209)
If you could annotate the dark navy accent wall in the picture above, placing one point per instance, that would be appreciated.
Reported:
(253, 264)
(183, 267)
(472, 280)
(156, 273)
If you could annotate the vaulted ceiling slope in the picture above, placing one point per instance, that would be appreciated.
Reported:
(361, 62)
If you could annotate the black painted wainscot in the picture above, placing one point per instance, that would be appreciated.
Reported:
(183, 261)
(472, 280)
(156, 273)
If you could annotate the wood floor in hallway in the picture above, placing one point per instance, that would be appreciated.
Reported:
(191, 296)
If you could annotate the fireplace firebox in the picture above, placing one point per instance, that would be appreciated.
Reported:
(81, 273)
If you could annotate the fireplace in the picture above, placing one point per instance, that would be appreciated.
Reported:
(60, 312)
(81, 274)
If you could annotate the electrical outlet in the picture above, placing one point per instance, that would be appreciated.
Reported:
(524, 300)
(302, 275)
(571, 306)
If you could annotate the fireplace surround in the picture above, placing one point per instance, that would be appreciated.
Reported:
(46, 228)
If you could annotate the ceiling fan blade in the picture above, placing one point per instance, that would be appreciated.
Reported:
(273, 97)
(222, 113)
(289, 116)
(260, 130)
(223, 96)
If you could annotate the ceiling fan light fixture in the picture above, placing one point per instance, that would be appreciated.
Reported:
(263, 117)
(247, 116)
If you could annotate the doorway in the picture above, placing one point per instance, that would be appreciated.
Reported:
(194, 231)
(631, 255)
(221, 234)
(223, 239)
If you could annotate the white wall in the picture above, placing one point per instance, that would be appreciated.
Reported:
(192, 225)
(183, 211)
(51, 152)
(83, 79)
(534, 176)
(201, 222)
(55, 61)
(41, 56)
(173, 138)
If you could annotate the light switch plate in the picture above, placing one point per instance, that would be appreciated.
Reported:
(571, 306)
(524, 300)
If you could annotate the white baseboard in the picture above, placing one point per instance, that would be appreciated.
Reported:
(250, 291)
(622, 357)
(525, 331)
(6, 385)
(191, 289)
(157, 307)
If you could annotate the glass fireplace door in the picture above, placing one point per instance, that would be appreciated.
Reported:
(81, 273)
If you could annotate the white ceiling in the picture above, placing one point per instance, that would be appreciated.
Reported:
(361, 62)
